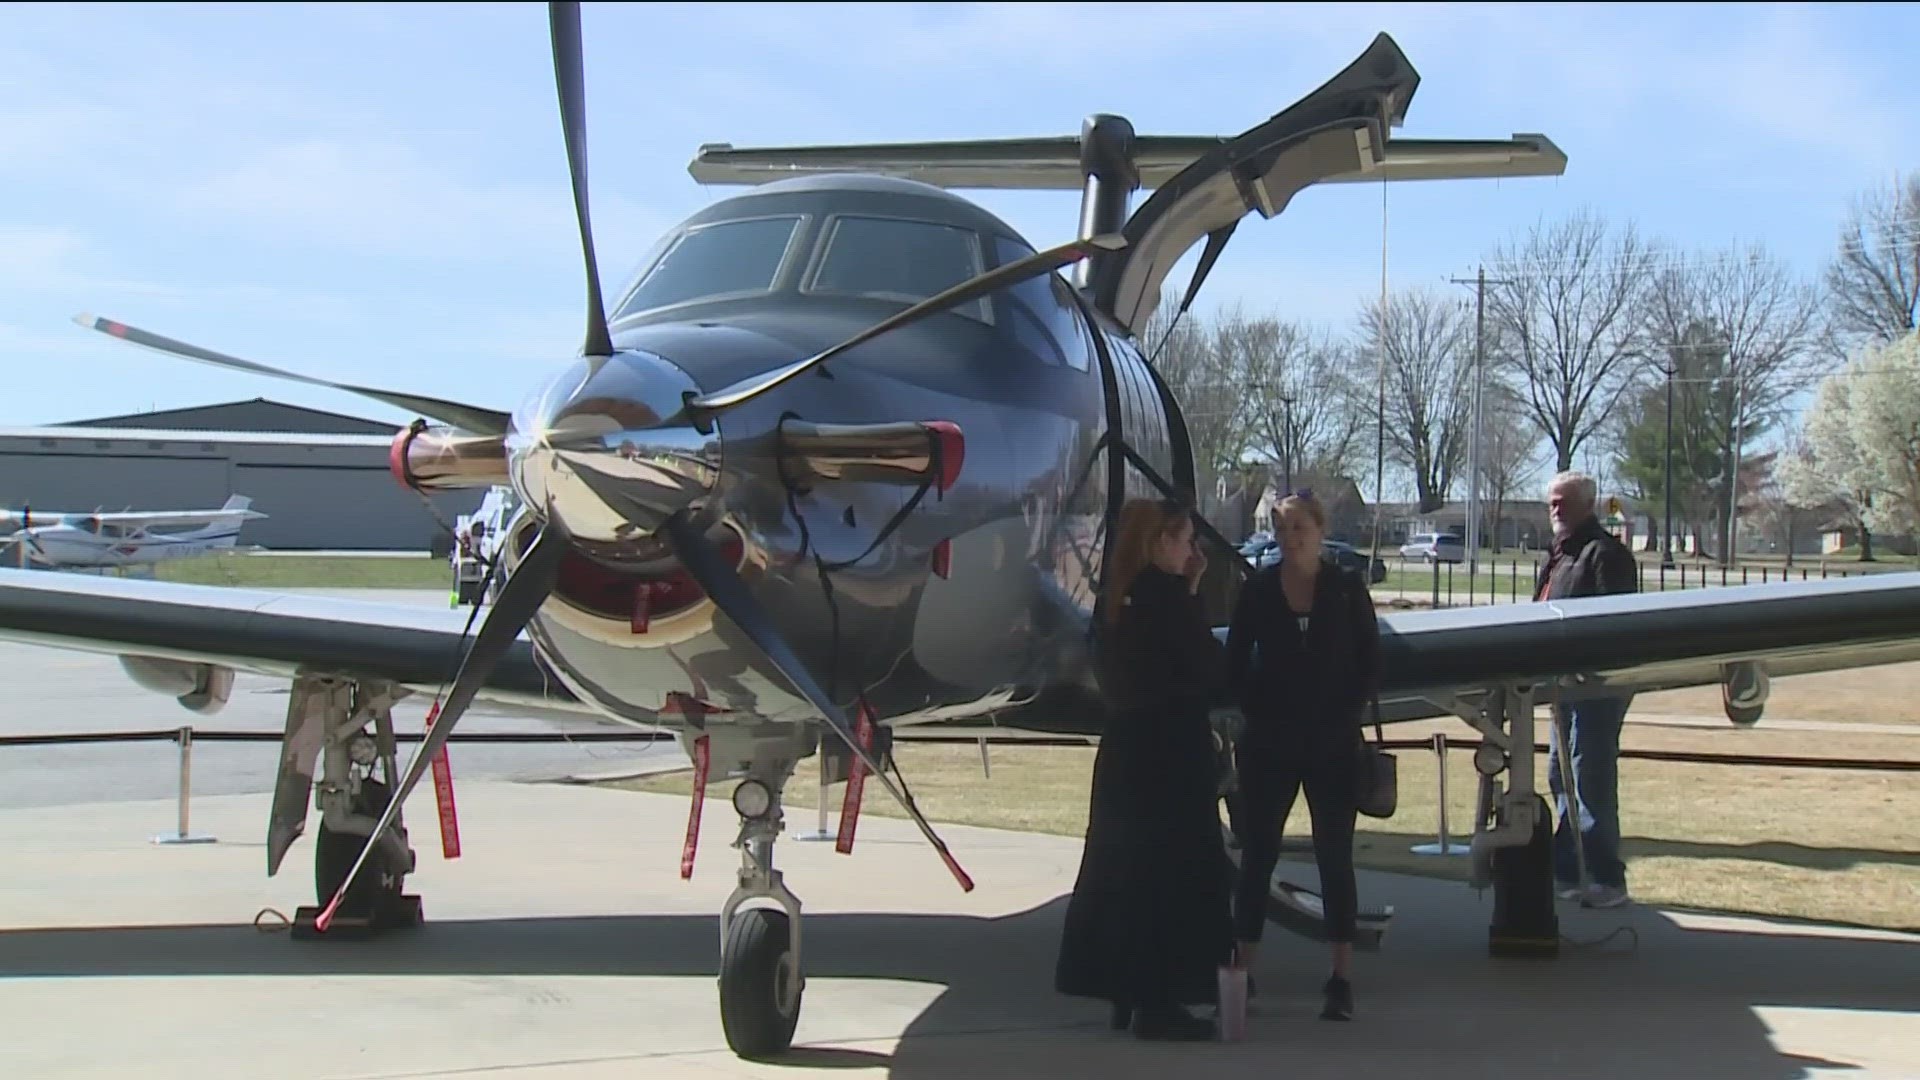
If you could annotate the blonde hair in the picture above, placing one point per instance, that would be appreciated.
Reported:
(1143, 523)
(1303, 500)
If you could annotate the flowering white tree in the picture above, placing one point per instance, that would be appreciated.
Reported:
(1886, 428)
(1860, 447)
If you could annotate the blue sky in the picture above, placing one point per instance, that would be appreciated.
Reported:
(378, 193)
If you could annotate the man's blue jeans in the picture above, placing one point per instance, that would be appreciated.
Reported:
(1595, 740)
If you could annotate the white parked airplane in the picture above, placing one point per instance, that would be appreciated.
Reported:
(126, 538)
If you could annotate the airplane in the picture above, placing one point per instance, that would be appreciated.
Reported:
(844, 458)
(125, 538)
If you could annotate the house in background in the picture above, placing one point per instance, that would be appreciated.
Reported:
(1349, 518)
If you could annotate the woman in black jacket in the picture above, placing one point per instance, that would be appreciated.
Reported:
(1150, 920)
(1302, 659)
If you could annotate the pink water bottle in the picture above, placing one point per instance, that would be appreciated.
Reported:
(1233, 1002)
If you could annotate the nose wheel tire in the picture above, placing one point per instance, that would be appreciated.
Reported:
(757, 975)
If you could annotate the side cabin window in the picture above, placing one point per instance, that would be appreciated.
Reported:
(726, 258)
(1041, 314)
(897, 259)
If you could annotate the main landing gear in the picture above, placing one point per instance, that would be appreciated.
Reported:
(1512, 840)
(328, 720)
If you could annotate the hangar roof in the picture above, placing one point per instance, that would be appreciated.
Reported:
(258, 414)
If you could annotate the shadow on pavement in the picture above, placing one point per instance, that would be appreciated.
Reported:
(1680, 1003)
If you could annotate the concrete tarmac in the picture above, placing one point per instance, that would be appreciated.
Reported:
(564, 945)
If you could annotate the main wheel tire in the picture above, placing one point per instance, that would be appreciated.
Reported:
(333, 855)
(756, 966)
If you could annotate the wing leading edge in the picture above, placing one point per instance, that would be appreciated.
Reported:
(1638, 643)
(1646, 642)
(266, 633)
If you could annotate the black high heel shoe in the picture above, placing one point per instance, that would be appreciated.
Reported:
(1339, 1005)
(1171, 1024)
(1122, 1016)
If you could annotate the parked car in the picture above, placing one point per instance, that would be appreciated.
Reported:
(1267, 553)
(1435, 548)
(1349, 556)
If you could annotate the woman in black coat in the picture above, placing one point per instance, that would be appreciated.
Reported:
(1150, 920)
(1303, 660)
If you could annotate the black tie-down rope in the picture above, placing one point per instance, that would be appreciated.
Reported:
(936, 469)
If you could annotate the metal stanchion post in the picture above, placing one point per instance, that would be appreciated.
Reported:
(820, 799)
(1444, 846)
(181, 836)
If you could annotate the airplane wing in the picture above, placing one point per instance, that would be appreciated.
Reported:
(1618, 644)
(150, 518)
(265, 633)
(1644, 642)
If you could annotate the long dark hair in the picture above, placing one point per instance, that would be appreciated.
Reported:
(1143, 522)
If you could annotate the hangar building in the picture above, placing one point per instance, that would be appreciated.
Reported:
(321, 477)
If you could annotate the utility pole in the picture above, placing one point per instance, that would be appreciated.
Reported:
(1666, 532)
(1479, 282)
(1733, 467)
(1286, 441)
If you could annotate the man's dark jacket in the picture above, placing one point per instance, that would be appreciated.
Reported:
(1589, 562)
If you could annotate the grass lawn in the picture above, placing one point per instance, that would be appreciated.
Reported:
(310, 571)
(1887, 694)
(1816, 844)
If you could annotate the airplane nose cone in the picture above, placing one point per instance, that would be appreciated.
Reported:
(605, 449)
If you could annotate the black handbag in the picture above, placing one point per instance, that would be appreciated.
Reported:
(1377, 774)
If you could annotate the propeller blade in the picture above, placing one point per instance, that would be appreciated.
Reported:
(467, 417)
(1043, 262)
(532, 580)
(569, 74)
(730, 595)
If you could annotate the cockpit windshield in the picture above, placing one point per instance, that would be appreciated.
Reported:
(900, 259)
(727, 258)
(897, 259)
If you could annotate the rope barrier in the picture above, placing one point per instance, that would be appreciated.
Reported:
(1773, 761)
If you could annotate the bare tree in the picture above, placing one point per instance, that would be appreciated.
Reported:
(1508, 451)
(1208, 386)
(1302, 400)
(1746, 309)
(1427, 339)
(1566, 305)
(1873, 283)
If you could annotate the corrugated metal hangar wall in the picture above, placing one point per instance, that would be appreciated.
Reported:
(327, 487)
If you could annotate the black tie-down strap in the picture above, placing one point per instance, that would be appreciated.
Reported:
(1201, 524)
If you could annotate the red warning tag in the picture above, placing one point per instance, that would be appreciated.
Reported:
(856, 782)
(693, 814)
(443, 795)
